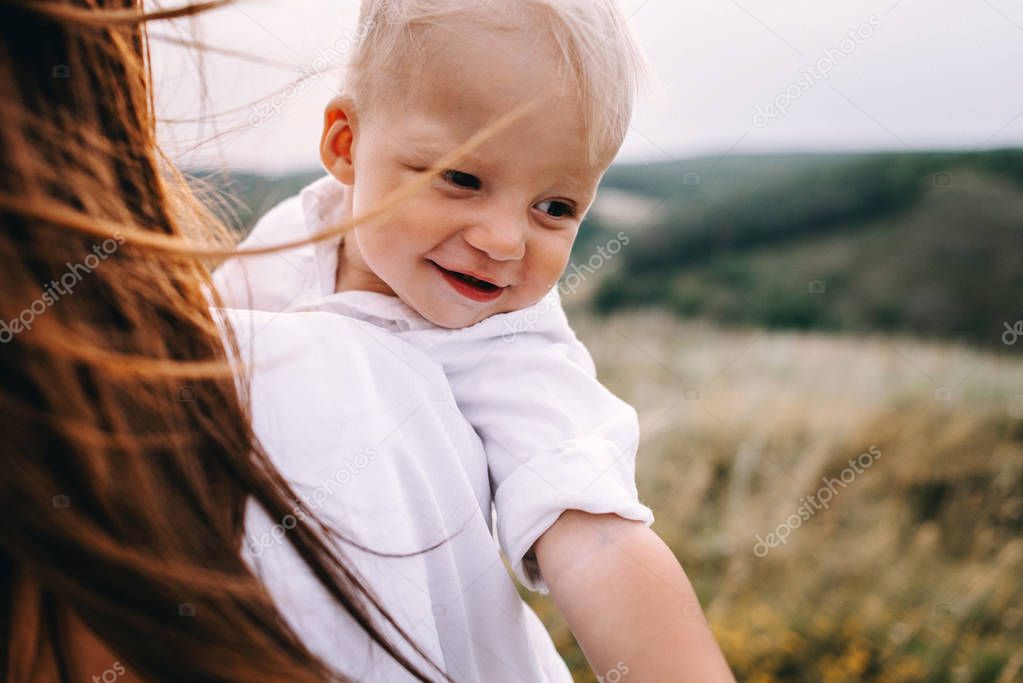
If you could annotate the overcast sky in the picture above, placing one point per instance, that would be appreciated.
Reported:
(917, 74)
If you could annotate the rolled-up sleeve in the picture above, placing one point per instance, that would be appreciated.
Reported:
(591, 474)
(556, 439)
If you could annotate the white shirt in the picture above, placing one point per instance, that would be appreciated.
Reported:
(376, 447)
(554, 437)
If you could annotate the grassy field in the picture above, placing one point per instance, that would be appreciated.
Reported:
(912, 571)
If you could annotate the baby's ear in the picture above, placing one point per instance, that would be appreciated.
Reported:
(338, 136)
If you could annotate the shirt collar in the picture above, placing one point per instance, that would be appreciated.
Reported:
(323, 205)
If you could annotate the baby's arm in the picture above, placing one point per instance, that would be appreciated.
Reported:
(627, 600)
(561, 452)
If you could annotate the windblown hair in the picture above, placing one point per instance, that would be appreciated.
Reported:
(589, 38)
(128, 454)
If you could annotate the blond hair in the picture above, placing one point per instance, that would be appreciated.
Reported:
(589, 37)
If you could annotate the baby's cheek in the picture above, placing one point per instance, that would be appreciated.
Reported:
(536, 284)
(551, 260)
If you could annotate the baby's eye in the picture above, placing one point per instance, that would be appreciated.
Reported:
(461, 179)
(556, 209)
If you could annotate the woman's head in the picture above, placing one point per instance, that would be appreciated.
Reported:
(128, 453)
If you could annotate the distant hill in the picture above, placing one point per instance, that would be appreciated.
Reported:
(926, 243)
(240, 198)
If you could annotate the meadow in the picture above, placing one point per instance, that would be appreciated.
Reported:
(912, 571)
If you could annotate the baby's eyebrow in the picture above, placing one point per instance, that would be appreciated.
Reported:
(429, 149)
(574, 182)
(433, 143)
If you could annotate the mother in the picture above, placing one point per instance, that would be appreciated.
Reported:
(149, 535)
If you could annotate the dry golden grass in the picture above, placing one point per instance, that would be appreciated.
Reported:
(913, 571)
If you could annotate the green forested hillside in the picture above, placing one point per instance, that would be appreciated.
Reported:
(924, 243)
(241, 198)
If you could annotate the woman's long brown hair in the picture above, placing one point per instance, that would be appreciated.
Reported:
(128, 455)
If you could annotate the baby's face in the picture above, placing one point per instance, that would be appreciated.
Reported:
(492, 234)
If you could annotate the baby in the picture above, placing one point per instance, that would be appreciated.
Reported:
(467, 269)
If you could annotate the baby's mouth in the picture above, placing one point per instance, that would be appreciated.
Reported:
(469, 286)
(475, 283)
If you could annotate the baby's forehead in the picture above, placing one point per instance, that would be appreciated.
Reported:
(478, 78)
(503, 49)
(486, 66)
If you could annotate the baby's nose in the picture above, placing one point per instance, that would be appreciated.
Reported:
(501, 240)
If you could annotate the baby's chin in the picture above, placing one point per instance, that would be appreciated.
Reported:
(451, 316)
(454, 319)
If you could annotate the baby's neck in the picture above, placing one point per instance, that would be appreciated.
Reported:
(352, 272)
